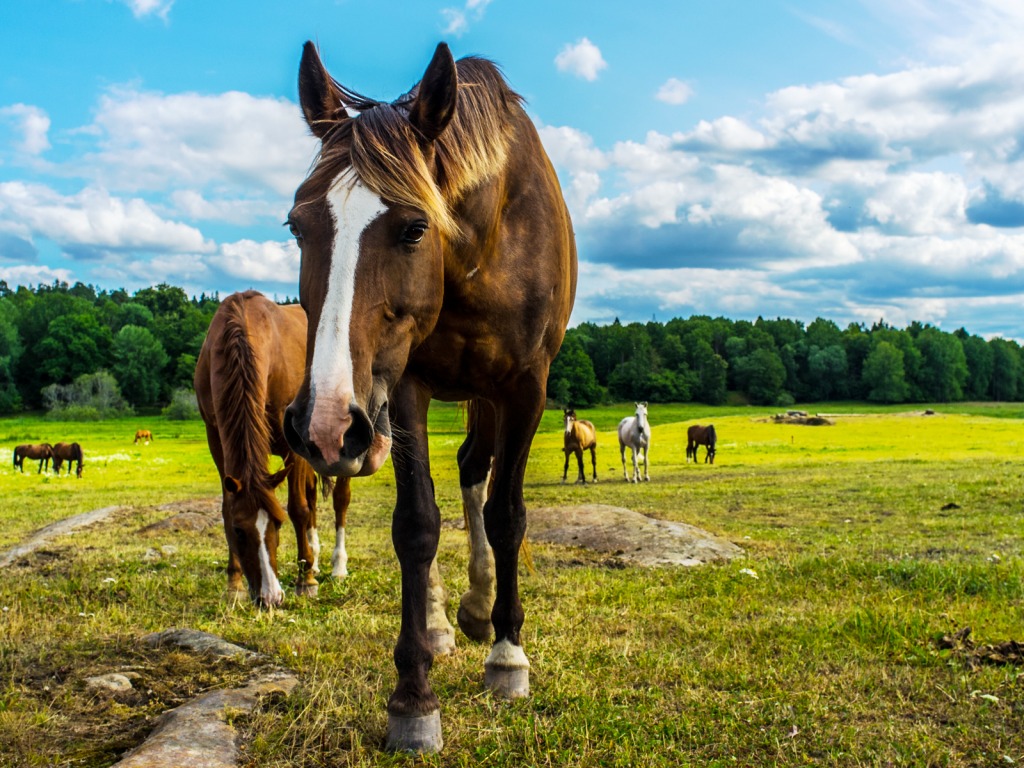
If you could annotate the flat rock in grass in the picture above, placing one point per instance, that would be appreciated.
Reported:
(198, 734)
(187, 522)
(113, 682)
(632, 537)
(64, 527)
(197, 642)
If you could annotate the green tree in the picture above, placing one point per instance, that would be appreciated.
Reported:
(827, 373)
(979, 365)
(11, 349)
(943, 371)
(883, 375)
(74, 345)
(139, 358)
(761, 375)
(571, 380)
(1006, 368)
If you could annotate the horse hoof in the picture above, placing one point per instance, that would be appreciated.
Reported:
(474, 628)
(415, 735)
(507, 683)
(307, 590)
(442, 641)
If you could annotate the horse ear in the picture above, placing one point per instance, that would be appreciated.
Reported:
(231, 484)
(437, 95)
(319, 96)
(278, 477)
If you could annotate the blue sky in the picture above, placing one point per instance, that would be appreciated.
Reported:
(854, 161)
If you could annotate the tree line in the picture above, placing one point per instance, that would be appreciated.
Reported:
(61, 342)
(780, 362)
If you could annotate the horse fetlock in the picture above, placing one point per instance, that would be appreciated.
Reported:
(416, 735)
(474, 615)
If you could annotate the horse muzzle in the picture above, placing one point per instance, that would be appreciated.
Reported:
(347, 444)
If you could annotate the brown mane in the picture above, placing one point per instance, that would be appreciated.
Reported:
(243, 394)
(386, 152)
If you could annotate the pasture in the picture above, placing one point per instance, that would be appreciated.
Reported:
(866, 542)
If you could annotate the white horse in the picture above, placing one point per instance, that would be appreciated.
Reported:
(635, 432)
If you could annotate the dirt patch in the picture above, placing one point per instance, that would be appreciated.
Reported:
(802, 420)
(634, 538)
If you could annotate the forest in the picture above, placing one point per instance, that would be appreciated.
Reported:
(108, 352)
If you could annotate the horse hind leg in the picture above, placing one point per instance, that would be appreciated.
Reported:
(622, 455)
(593, 460)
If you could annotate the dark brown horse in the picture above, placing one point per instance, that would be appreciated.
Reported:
(144, 435)
(69, 452)
(249, 369)
(580, 436)
(697, 436)
(42, 452)
(438, 261)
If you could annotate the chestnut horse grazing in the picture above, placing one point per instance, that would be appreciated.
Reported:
(43, 452)
(69, 452)
(697, 436)
(249, 369)
(143, 434)
(438, 261)
(635, 432)
(580, 436)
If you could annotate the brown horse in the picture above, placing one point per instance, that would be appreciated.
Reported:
(249, 369)
(143, 434)
(697, 436)
(438, 261)
(41, 451)
(580, 436)
(69, 452)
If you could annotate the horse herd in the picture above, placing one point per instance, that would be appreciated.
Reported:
(634, 433)
(44, 453)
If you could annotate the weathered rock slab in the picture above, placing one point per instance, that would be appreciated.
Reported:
(632, 537)
(197, 642)
(197, 734)
(63, 527)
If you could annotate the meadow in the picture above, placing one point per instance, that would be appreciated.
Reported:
(866, 542)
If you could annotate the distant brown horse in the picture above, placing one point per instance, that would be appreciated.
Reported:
(143, 434)
(41, 451)
(580, 436)
(438, 261)
(69, 452)
(697, 436)
(249, 369)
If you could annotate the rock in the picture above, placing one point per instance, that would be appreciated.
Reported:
(114, 683)
(628, 535)
(198, 642)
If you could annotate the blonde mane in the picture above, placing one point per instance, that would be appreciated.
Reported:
(387, 154)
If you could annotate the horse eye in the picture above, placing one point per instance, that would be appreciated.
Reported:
(294, 229)
(414, 232)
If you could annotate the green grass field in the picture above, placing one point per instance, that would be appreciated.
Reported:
(866, 542)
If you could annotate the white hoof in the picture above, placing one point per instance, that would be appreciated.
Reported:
(415, 735)
(507, 671)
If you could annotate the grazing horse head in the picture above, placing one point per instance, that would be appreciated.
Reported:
(373, 220)
(255, 517)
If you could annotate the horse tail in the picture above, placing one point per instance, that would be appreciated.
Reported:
(240, 404)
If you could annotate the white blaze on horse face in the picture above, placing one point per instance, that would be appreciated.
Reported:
(270, 588)
(353, 207)
(568, 424)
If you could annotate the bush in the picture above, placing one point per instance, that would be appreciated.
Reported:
(92, 396)
(183, 406)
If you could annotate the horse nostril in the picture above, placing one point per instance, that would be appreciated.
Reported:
(359, 435)
(291, 432)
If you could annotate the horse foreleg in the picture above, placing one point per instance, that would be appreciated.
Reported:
(507, 670)
(593, 460)
(565, 470)
(302, 512)
(581, 476)
(622, 455)
(414, 713)
(647, 476)
(341, 498)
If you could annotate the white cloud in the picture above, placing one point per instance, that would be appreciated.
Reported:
(457, 19)
(269, 261)
(193, 205)
(674, 91)
(92, 219)
(34, 125)
(34, 274)
(142, 8)
(582, 59)
(153, 141)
